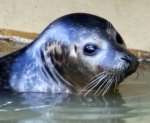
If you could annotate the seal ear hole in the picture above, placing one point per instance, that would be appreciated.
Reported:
(119, 39)
(90, 49)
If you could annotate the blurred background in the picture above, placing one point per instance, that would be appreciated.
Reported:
(130, 17)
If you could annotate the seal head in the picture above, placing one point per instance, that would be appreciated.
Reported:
(79, 53)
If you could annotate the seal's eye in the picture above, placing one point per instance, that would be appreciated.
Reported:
(119, 39)
(90, 49)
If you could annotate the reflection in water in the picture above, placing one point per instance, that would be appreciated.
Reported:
(44, 108)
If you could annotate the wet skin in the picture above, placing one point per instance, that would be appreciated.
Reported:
(77, 53)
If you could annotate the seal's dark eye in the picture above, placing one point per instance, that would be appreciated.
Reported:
(90, 49)
(119, 39)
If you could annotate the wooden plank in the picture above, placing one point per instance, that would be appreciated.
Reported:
(11, 40)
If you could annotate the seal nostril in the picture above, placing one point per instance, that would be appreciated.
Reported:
(127, 59)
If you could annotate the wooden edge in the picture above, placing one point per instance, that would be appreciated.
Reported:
(142, 55)
(10, 32)
(26, 37)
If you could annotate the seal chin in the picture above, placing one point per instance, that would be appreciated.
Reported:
(108, 81)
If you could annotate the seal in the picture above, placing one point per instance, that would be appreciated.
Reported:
(77, 53)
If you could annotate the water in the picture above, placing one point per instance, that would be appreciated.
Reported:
(131, 104)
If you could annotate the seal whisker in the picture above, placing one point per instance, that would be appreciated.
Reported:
(94, 81)
(104, 82)
(106, 88)
(113, 80)
(90, 89)
(98, 81)
(101, 77)
(97, 75)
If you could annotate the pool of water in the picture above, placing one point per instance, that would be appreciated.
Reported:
(130, 105)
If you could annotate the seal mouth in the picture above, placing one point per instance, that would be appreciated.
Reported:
(132, 68)
(103, 82)
(109, 80)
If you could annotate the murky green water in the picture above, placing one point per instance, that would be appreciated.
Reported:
(131, 105)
